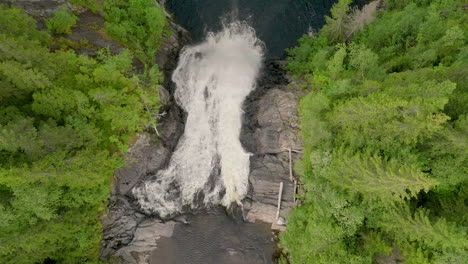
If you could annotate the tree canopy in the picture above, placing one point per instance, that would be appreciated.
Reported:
(385, 130)
(65, 121)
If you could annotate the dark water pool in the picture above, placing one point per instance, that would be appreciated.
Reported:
(279, 23)
(215, 238)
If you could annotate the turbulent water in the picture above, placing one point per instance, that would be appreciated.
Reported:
(209, 165)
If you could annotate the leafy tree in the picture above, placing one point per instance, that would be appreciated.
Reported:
(61, 22)
(365, 61)
(335, 64)
(376, 178)
(139, 24)
(335, 27)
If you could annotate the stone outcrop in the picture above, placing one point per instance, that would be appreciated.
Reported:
(89, 33)
(271, 127)
(36, 8)
(126, 230)
(144, 241)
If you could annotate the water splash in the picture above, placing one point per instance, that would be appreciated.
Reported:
(235, 10)
(209, 163)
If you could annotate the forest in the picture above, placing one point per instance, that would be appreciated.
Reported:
(384, 123)
(66, 120)
(385, 128)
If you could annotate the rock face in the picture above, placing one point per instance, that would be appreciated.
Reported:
(129, 236)
(144, 241)
(36, 8)
(90, 28)
(271, 127)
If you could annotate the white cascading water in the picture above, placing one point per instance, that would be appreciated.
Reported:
(213, 79)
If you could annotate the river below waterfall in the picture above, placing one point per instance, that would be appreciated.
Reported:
(213, 238)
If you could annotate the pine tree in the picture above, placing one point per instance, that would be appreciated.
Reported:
(378, 178)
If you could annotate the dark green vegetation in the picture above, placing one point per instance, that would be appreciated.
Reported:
(138, 24)
(385, 127)
(65, 120)
(62, 22)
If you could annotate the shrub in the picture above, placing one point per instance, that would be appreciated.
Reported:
(61, 22)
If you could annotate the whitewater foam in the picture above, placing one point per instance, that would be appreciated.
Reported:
(212, 79)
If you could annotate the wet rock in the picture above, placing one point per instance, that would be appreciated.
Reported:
(182, 219)
(271, 128)
(145, 240)
(278, 122)
(119, 225)
(164, 95)
(235, 211)
(142, 157)
(168, 52)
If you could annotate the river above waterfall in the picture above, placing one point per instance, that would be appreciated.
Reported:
(278, 23)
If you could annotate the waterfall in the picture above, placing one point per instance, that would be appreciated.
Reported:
(209, 165)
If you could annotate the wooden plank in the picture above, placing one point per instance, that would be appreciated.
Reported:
(290, 166)
(280, 194)
(295, 191)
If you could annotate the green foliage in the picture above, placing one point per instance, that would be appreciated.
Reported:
(385, 127)
(65, 120)
(92, 5)
(437, 235)
(375, 178)
(335, 29)
(335, 64)
(14, 23)
(61, 22)
(138, 24)
(365, 61)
